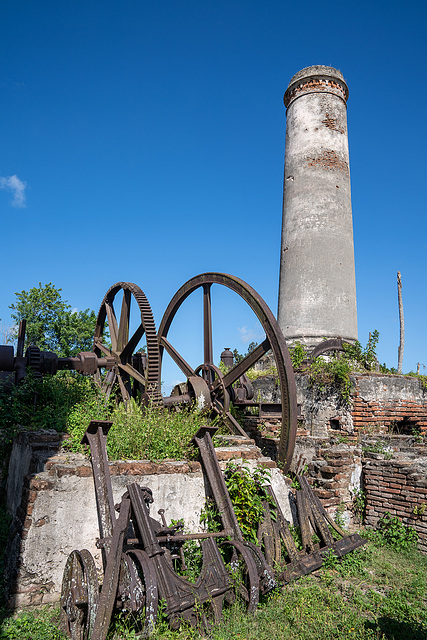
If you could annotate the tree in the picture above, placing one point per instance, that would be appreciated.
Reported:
(75, 332)
(6, 333)
(238, 357)
(51, 324)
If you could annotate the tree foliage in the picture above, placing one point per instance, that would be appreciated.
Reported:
(238, 357)
(51, 323)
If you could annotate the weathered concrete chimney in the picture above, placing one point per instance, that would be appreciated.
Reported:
(317, 293)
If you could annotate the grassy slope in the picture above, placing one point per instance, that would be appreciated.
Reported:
(375, 592)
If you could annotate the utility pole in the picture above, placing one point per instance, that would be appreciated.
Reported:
(402, 324)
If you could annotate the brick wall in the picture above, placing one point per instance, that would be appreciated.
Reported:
(399, 487)
(338, 467)
(334, 474)
(377, 402)
(396, 402)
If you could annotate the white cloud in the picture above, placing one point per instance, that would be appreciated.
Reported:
(248, 335)
(17, 187)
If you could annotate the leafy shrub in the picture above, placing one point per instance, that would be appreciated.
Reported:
(365, 356)
(247, 492)
(378, 447)
(153, 432)
(43, 404)
(67, 402)
(336, 369)
(394, 533)
(332, 372)
(298, 354)
(359, 503)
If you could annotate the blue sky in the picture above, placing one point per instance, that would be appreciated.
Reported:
(144, 141)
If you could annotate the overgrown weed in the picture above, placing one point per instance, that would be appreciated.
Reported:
(67, 402)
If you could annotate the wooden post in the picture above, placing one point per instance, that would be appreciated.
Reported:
(402, 324)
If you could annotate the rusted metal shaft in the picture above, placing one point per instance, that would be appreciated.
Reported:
(96, 438)
(203, 440)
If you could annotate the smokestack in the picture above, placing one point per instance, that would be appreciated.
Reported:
(317, 291)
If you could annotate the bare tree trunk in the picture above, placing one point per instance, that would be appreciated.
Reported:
(402, 323)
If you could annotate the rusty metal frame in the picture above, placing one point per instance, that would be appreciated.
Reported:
(134, 540)
(312, 519)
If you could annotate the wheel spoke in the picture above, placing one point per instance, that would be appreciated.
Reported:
(123, 332)
(131, 345)
(123, 383)
(99, 345)
(248, 362)
(207, 325)
(132, 372)
(112, 323)
(177, 358)
(108, 386)
(235, 424)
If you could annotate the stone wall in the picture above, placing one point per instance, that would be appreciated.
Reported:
(378, 402)
(387, 472)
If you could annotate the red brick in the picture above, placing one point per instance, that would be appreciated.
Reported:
(40, 485)
(32, 495)
(84, 471)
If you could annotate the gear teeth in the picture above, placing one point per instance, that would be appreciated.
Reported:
(153, 355)
(33, 356)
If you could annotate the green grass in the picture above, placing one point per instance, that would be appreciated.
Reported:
(151, 433)
(34, 625)
(375, 592)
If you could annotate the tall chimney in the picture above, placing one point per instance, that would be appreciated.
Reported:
(317, 291)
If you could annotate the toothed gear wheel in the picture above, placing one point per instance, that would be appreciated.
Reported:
(34, 360)
(131, 381)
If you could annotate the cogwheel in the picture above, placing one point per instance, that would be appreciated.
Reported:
(131, 381)
(33, 356)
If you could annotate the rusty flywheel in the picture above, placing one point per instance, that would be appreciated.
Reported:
(206, 382)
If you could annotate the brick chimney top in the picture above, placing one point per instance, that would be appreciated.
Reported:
(316, 79)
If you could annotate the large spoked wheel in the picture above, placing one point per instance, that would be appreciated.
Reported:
(243, 575)
(132, 374)
(139, 589)
(220, 386)
(79, 596)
